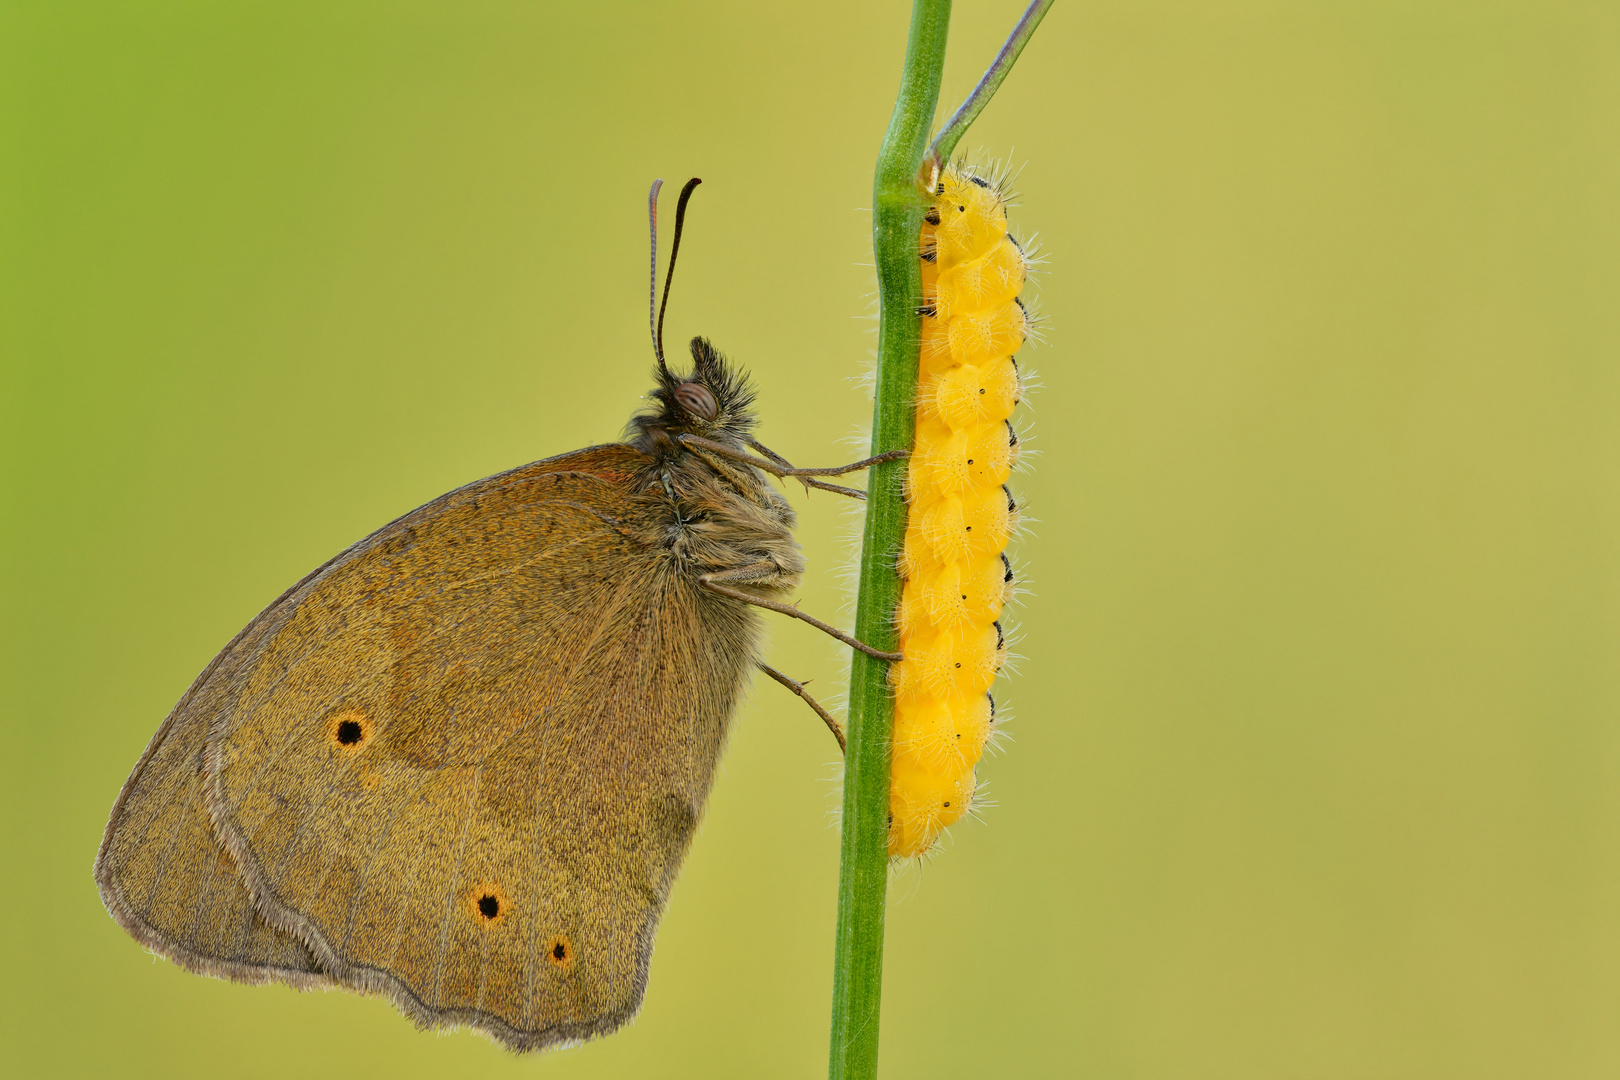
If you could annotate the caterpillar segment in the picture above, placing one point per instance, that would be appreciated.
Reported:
(959, 510)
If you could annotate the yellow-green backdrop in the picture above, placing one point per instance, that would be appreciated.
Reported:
(1317, 758)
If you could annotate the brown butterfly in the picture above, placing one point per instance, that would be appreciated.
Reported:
(460, 763)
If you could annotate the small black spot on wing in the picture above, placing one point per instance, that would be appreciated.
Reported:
(559, 953)
(488, 904)
(348, 730)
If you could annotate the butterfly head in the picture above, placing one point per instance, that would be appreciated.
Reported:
(713, 401)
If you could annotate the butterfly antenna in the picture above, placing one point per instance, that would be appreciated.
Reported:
(674, 250)
(652, 287)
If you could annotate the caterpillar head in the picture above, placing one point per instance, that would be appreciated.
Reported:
(969, 217)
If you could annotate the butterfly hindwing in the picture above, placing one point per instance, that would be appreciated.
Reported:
(160, 871)
(466, 759)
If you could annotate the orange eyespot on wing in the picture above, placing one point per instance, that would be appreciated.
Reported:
(559, 952)
(350, 730)
(486, 903)
(960, 514)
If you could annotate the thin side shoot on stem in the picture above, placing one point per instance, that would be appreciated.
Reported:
(954, 128)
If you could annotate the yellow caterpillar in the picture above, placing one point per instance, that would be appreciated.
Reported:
(957, 578)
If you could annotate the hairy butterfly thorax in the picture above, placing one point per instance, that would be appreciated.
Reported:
(720, 513)
(723, 519)
(960, 512)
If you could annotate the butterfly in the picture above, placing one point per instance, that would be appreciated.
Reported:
(460, 763)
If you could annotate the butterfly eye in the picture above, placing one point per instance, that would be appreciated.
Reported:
(696, 399)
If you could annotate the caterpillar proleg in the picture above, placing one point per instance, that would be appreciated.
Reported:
(959, 511)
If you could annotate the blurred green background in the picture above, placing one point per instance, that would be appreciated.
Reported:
(1317, 759)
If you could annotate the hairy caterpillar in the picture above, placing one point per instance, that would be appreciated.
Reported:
(959, 511)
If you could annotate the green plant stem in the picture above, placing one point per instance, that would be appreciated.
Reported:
(991, 81)
(897, 210)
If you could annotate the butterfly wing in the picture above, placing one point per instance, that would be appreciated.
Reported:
(161, 873)
(464, 760)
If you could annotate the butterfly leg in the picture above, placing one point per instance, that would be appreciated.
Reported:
(718, 582)
(779, 466)
(797, 687)
(854, 466)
